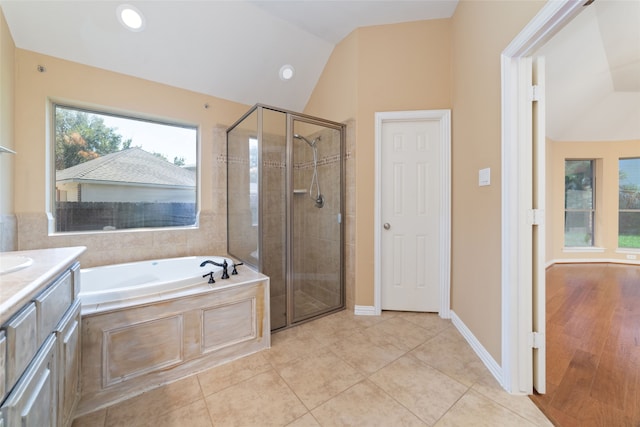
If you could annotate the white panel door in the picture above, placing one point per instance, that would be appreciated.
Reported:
(539, 270)
(410, 215)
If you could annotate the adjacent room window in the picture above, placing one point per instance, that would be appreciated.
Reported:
(115, 172)
(579, 203)
(629, 203)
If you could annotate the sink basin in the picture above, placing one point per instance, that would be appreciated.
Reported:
(11, 263)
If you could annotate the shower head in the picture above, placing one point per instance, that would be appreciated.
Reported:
(311, 143)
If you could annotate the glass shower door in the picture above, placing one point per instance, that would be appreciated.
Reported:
(316, 219)
(273, 226)
(285, 204)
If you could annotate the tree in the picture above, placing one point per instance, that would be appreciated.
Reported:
(178, 161)
(82, 136)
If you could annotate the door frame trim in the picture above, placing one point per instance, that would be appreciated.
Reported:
(443, 117)
(517, 299)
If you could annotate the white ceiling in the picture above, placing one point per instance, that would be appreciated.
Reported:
(593, 75)
(234, 49)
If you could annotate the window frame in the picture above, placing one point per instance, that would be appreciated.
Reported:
(51, 194)
(635, 210)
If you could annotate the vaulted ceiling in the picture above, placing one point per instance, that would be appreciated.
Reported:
(593, 75)
(229, 49)
(235, 49)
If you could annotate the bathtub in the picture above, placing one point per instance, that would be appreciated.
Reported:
(145, 324)
(120, 282)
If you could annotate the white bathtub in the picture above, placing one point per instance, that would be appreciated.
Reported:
(119, 282)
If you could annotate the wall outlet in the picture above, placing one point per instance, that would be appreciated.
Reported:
(631, 256)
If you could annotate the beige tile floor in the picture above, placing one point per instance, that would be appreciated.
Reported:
(398, 369)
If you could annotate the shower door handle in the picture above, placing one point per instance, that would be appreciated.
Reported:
(387, 226)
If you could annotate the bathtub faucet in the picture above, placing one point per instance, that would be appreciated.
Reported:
(224, 265)
(235, 271)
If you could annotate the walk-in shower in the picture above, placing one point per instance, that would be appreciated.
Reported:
(285, 203)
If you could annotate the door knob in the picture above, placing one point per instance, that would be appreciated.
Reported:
(387, 226)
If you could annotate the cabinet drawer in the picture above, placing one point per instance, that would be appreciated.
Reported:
(33, 400)
(22, 342)
(68, 337)
(3, 365)
(52, 303)
(75, 273)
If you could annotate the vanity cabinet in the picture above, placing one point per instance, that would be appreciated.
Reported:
(40, 355)
(68, 337)
(33, 400)
(22, 342)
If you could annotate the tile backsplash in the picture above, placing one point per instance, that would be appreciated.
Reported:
(8, 233)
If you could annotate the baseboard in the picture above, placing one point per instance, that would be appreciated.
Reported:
(483, 354)
(365, 310)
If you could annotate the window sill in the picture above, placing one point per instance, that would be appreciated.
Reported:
(628, 251)
(585, 249)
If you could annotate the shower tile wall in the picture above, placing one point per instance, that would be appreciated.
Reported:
(317, 241)
(113, 248)
(8, 233)
(312, 253)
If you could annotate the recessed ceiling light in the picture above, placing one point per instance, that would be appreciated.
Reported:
(130, 17)
(287, 72)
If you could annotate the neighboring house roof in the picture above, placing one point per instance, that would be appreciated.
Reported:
(132, 165)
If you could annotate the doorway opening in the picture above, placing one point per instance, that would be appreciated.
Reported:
(518, 298)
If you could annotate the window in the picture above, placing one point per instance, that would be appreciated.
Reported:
(629, 203)
(579, 206)
(115, 172)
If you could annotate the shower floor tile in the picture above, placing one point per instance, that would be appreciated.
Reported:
(304, 303)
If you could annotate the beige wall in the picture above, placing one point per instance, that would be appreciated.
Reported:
(481, 31)
(431, 65)
(606, 155)
(7, 77)
(335, 96)
(87, 86)
(381, 68)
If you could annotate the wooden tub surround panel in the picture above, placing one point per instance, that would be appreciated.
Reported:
(129, 350)
(228, 324)
(144, 347)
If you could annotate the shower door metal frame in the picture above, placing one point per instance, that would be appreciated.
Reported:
(291, 118)
(259, 109)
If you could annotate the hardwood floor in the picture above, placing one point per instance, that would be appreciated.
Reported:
(593, 345)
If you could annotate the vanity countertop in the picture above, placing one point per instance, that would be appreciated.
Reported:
(18, 287)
